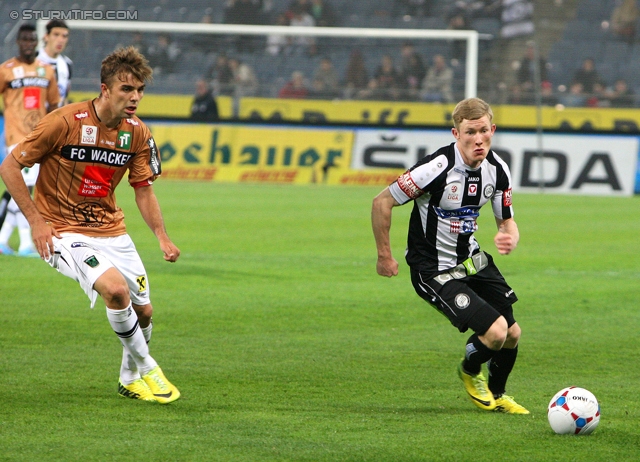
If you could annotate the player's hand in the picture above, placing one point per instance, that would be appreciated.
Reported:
(42, 234)
(171, 252)
(387, 266)
(505, 243)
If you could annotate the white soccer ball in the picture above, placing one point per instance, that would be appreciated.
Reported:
(573, 411)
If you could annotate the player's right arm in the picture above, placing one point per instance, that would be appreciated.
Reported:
(11, 173)
(381, 212)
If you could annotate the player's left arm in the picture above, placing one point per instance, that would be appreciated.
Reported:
(149, 207)
(507, 238)
(53, 94)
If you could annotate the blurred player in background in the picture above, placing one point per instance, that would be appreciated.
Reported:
(29, 89)
(448, 269)
(55, 42)
(84, 150)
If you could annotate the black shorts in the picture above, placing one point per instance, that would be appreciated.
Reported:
(473, 302)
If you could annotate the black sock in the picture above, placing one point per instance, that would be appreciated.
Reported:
(499, 369)
(476, 355)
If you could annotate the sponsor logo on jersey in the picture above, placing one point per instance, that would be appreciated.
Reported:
(472, 190)
(463, 226)
(75, 245)
(463, 212)
(408, 186)
(474, 178)
(31, 98)
(96, 181)
(506, 198)
(132, 122)
(154, 157)
(40, 82)
(142, 283)
(40, 71)
(18, 72)
(81, 115)
(124, 140)
(109, 157)
(89, 134)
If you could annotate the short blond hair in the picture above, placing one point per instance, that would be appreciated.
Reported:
(471, 109)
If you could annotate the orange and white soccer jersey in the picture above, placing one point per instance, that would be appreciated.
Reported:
(27, 89)
(81, 163)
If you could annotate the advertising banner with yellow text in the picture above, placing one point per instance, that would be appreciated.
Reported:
(216, 152)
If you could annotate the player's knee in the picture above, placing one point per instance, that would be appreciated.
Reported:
(113, 288)
(495, 337)
(513, 336)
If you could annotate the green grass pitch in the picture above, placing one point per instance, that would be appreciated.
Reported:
(287, 346)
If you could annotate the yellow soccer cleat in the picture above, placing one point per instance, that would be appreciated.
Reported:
(137, 390)
(163, 391)
(508, 405)
(477, 389)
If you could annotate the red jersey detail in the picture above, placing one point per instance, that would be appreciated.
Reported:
(96, 181)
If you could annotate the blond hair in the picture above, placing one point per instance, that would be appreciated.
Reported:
(471, 109)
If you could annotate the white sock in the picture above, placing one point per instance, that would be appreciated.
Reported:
(7, 228)
(128, 369)
(125, 325)
(24, 231)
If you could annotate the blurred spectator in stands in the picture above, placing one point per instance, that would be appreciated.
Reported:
(477, 8)
(278, 43)
(525, 75)
(624, 19)
(221, 75)
(163, 55)
(244, 12)
(575, 97)
(325, 78)
(458, 21)
(597, 97)
(204, 107)
(547, 96)
(245, 82)
(385, 83)
(412, 70)
(300, 18)
(412, 7)
(519, 97)
(588, 76)
(205, 42)
(295, 88)
(621, 95)
(323, 13)
(356, 76)
(138, 42)
(437, 85)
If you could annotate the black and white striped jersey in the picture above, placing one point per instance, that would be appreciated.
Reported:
(448, 196)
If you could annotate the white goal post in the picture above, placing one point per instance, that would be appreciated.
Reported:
(471, 36)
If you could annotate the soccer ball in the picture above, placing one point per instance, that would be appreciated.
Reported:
(573, 411)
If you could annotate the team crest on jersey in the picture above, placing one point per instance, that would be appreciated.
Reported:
(124, 140)
(506, 198)
(488, 191)
(92, 261)
(89, 134)
(462, 301)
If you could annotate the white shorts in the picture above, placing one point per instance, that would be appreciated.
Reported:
(84, 259)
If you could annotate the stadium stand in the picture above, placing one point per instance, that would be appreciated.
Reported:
(585, 34)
